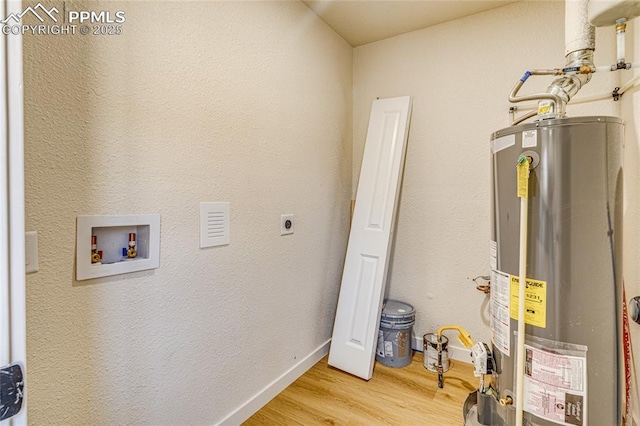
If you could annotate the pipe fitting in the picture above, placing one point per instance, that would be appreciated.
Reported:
(132, 252)
(579, 47)
(586, 69)
(565, 87)
(506, 401)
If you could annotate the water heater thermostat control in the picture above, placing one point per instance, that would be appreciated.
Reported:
(482, 359)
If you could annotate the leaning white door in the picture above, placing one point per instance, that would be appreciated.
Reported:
(364, 277)
(13, 354)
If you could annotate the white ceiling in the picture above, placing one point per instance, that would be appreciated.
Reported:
(364, 21)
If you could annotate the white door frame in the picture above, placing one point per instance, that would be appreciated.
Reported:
(13, 341)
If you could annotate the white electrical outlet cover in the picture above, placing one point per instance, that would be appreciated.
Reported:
(287, 224)
(31, 252)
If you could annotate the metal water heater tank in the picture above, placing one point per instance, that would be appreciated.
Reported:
(574, 273)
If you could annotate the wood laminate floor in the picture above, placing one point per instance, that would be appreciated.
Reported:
(394, 396)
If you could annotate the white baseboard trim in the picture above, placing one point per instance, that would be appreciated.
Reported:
(457, 353)
(270, 391)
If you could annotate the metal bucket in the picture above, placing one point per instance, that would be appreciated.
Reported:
(430, 352)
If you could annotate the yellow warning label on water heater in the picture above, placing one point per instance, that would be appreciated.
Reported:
(523, 179)
(535, 304)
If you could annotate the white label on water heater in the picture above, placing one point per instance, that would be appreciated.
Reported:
(529, 138)
(500, 318)
(555, 386)
(493, 254)
(503, 143)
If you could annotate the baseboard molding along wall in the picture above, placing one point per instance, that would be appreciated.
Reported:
(270, 391)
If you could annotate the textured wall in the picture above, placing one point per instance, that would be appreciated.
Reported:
(246, 102)
(459, 74)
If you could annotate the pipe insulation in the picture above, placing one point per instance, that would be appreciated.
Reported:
(579, 34)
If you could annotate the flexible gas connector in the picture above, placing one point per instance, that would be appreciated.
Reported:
(463, 336)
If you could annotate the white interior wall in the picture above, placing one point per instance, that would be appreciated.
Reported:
(217, 107)
(246, 102)
(459, 74)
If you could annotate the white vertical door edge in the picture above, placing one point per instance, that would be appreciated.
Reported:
(5, 330)
(12, 293)
(364, 276)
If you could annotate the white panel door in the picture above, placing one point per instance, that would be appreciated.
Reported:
(364, 277)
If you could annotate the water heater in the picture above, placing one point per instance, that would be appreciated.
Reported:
(574, 273)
